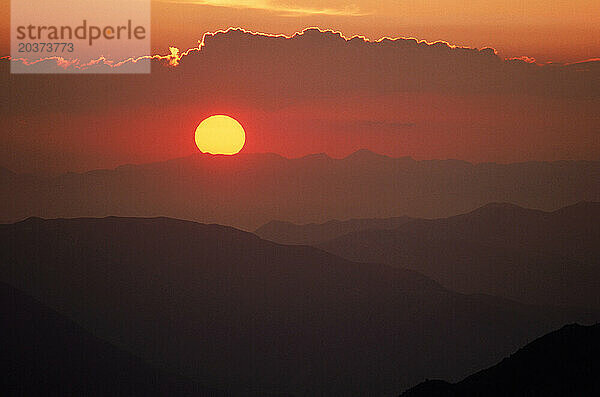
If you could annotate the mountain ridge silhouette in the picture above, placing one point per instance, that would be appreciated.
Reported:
(238, 313)
(44, 353)
(501, 249)
(564, 362)
(249, 190)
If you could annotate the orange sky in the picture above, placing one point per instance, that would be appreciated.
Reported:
(548, 30)
(319, 92)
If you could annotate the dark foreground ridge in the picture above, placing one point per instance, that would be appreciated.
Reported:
(562, 363)
(46, 354)
(237, 313)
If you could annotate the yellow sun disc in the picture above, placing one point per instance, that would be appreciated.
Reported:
(220, 134)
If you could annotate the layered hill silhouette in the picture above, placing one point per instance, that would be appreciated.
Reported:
(565, 362)
(500, 249)
(314, 233)
(238, 313)
(46, 354)
(249, 190)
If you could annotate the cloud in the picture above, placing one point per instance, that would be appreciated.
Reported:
(275, 70)
(276, 7)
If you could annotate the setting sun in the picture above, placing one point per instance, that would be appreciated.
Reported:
(220, 134)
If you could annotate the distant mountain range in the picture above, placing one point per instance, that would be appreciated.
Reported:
(249, 190)
(237, 313)
(537, 257)
(563, 363)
